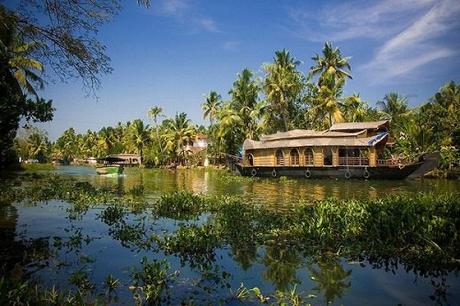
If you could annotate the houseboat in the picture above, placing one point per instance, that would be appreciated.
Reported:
(110, 165)
(346, 150)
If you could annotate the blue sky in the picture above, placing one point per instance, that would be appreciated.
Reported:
(175, 52)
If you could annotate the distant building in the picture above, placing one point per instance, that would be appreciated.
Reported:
(195, 151)
(129, 159)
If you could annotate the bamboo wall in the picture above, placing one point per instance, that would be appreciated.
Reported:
(267, 157)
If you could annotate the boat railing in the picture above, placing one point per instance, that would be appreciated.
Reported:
(353, 161)
(392, 162)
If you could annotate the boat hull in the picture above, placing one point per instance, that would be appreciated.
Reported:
(395, 173)
(109, 170)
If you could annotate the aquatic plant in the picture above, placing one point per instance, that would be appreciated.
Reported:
(151, 282)
(179, 205)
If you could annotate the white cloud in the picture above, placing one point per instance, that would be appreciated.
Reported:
(208, 24)
(231, 45)
(173, 7)
(183, 12)
(408, 33)
(418, 44)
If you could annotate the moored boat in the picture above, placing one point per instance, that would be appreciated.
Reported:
(109, 166)
(346, 150)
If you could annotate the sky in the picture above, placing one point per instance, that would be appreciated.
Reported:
(175, 52)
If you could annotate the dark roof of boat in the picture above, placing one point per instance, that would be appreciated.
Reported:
(111, 159)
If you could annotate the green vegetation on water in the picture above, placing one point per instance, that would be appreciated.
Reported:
(419, 233)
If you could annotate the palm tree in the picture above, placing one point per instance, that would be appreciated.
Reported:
(154, 113)
(355, 108)
(245, 95)
(211, 106)
(180, 132)
(395, 108)
(449, 97)
(282, 86)
(139, 136)
(327, 105)
(38, 146)
(331, 62)
(16, 63)
(105, 141)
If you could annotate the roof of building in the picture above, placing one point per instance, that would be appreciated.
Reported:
(201, 136)
(373, 125)
(307, 134)
(315, 142)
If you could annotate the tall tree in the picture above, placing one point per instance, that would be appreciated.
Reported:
(211, 106)
(331, 62)
(154, 113)
(179, 133)
(282, 86)
(19, 76)
(395, 108)
(354, 108)
(326, 104)
(139, 136)
(244, 98)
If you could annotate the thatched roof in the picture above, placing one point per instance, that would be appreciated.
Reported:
(293, 134)
(315, 142)
(354, 126)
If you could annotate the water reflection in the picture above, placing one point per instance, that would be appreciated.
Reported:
(331, 279)
(270, 191)
(250, 239)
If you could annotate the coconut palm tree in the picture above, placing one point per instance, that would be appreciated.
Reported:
(18, 66)
(211, 106)
(139, 136)
(331, 62)
(154, 113)
(394, 108)
(38, 146)
(105, 141)
(244, 99)
(355, 108)
(282, 85)
(327, 106)
(179, 133)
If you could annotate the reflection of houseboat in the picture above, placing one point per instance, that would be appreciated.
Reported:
(348, 150)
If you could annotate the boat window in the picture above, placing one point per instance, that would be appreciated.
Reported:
(279, 158)
(308, 156)
(295, 160)
(327, 152)
(251, 159)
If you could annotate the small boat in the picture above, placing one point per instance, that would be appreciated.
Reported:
(109, 166)
(346, 150)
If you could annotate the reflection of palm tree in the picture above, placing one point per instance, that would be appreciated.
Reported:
(331, 278)
(281, 265)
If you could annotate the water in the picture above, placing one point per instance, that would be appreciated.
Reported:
(266, 190)
(53, 245)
